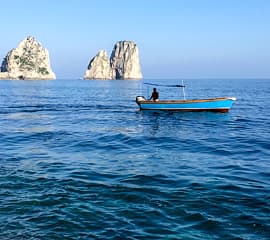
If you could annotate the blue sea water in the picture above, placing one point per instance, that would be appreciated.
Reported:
(78, 160)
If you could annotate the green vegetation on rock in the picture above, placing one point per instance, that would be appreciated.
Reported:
(43, 71)
(25, 62)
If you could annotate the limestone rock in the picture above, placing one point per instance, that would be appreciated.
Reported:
(99, 67)
(125, 61)
(28, 61)
(4, 75)
(123, 64)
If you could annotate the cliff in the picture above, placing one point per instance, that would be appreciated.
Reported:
(28, 61)
(99, 67)
(124, 63)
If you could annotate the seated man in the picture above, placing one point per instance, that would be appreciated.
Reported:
(154, 95)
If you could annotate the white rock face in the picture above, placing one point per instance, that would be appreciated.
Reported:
(28, 61)
(125, 61)
(99, 67)
(123, 64)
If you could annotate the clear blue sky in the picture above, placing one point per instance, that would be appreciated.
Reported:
(176, 38)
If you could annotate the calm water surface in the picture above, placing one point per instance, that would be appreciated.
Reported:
(78, 160)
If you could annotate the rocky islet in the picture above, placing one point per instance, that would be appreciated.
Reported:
(124, 63)
(99, 67)
(31, 61)
(28, 61)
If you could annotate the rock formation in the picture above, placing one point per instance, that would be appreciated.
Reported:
(28, 61)
(125, 61)
(99, 67)
(123, 64)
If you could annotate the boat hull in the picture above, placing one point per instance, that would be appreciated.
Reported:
(212, 105)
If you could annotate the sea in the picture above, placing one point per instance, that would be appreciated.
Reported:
(79, 160)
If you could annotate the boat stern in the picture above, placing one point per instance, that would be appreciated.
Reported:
(139, 99)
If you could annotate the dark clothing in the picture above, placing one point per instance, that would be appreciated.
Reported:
(155, 95)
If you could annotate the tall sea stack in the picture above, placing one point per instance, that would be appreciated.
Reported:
(28, 61)
(99, 67)
(124, 63)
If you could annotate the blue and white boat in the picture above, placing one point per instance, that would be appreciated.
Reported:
(196, 105)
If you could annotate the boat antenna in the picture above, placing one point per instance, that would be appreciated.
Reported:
(183, 89)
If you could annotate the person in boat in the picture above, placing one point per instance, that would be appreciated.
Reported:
(154, 95)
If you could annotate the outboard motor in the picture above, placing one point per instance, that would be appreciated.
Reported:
(139, 99)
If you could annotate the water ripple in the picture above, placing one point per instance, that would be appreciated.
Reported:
(79, 163)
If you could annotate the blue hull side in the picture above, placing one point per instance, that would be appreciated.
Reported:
(218, 105)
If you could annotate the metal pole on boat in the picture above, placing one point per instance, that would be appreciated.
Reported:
(183, 88)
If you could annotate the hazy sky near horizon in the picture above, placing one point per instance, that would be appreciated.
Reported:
(176, 38)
